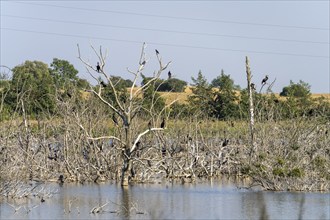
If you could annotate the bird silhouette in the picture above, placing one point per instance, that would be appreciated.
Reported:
(264, 80)
(149, 125)
(157, 52)
(253, 86)
(114, 119)
(169, 75)
(103, 84)
(225, 142)
(98, 68)
(162, 125)
(163, 151)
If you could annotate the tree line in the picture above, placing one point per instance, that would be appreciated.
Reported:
(42, 86)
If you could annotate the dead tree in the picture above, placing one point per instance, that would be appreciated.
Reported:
(126, 110)
(251, 107)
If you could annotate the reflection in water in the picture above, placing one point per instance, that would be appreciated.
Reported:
(212, 200)
(126, 206)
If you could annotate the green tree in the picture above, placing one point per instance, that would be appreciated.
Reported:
(33, 84)
(301, 89)
(298, 100)
(202, 97)
(225, 101)
(64, 74)
(171, 85)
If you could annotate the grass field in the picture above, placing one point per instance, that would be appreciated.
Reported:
(182, 97)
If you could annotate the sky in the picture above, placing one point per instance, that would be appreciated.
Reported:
(286, 40)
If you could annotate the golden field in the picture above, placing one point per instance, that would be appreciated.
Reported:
(182, 97)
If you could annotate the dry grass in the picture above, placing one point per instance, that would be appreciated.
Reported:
(182, 97)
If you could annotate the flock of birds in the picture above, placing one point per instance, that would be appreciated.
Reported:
(98, 69)
(169, 74)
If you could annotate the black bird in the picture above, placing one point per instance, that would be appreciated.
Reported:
(143, 63)
(225, 143)
(61, 179)
(138, 144)
(169, 75)
(253, 86)
(114, 119)
(264, 80)
(42, 199)
(163, 151)
(149, 125)
(103, 84)
(162, 125)
(98, 68)
(157, 52)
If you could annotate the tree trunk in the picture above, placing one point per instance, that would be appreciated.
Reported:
(251, 106)
(126, 158)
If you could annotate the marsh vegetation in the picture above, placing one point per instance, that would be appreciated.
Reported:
(57, 127)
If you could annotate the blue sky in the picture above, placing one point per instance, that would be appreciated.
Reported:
(288, 40)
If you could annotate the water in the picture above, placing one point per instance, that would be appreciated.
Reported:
(211, 200)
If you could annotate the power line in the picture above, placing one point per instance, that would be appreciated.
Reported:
(162, 30)
(177, 17)
(165, 44)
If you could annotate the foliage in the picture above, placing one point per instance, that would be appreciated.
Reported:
(301, 90)
(224, 82)
(225, 101)
(170, 85)
(33, 85)
(64, 74)
(219, 102)
(201, 99)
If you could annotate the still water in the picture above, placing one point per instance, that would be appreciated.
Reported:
(211, 200)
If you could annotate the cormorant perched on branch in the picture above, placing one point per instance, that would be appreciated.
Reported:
(98, 68)
(169, 75)
(103, 84)
(253, 86)
(162, 125)
(263, 82)
(157, 52)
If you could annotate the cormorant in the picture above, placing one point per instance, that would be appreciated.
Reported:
(225, 143)
(98, 68)
(157, 52)
(253, 86)
(138, 144)
(163, 151)
(103, 84)
(114, 119)
(169, 75)
(162, 125)
(149, 125)
(263, 82)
